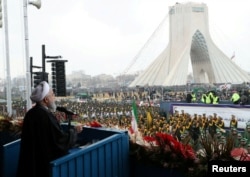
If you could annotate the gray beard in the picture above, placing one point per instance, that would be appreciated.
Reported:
(52, 107)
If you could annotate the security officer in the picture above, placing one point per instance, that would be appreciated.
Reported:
(215, 98)
(235, 98)
(203, 98)
(193, 97)
(208, 98)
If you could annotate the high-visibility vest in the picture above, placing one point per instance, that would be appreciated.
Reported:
(215, 100)
(208, 100)
(203, 98)
(235, 97)
(193, 97)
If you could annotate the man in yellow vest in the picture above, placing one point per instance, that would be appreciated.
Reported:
(208, 98)
(203, 98)
(193, 97)
(215, 98)
(235, 97)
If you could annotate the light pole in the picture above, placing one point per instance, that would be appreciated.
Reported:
(7, 58)
(26, 44)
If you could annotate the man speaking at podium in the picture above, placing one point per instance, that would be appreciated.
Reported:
(42, 139)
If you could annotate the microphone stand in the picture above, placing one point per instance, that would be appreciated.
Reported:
(69, 117)
(67, 113)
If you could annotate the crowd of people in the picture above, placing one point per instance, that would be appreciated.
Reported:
(118, 114)
(178, 124)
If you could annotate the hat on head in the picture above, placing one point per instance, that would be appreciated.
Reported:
(218, 133)
(223, 137)
(243, 140)
(222, 141)
(41, 90)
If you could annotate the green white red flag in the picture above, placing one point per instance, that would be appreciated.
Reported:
(134, 120)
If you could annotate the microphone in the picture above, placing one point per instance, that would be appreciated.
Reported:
(62, 109)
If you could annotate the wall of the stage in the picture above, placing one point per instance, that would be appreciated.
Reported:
(106, 155)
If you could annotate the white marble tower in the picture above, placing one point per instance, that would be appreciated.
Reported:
(190, 40)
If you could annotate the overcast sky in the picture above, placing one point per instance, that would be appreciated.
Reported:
(105, 36)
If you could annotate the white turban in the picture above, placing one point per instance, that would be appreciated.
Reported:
(40, 92)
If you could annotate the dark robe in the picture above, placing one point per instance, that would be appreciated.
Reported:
(42, 141)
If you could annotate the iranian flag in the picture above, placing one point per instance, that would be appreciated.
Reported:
(134, 121)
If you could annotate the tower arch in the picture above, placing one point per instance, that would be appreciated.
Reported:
(190, 40)
(200, 59)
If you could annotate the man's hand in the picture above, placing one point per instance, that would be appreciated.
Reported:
(78, 128)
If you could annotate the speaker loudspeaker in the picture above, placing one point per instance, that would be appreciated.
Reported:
(36, 3)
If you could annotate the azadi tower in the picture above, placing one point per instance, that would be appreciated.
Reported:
(189, 39)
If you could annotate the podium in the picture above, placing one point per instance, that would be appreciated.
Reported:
(100, 153)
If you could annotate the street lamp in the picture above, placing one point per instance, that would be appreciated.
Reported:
(1, 20)
(37, 4)
(6, 45)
